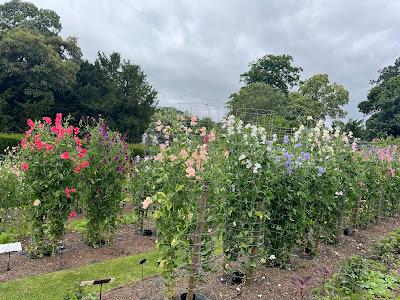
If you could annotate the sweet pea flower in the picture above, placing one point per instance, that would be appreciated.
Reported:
(30, 123)
(183, 154)
(72, 214)
(65, 155)
(24, 142)
(193, 121)
(172, 158)
(24, 166)
(84, 164)
(36, 202)
(47, 120)
(49, 147)
(203, 131)
(190, 172)
(147, 202)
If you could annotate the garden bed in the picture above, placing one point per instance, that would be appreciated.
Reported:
(76, 253)
(272, 283)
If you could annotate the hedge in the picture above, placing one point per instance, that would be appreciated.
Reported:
(9, 140)
(136, 149)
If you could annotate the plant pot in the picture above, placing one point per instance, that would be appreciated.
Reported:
(147, 232)
(196, 297)
(236, 277)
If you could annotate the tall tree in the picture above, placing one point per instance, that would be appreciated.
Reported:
(32, 68)
(16, 13)
(35, 63)
(274, 70)
(383, 103)
(257, 100)
(328, 98)
(118, 90)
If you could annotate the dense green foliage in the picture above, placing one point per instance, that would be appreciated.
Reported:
(42, 73)
(103, 182)
(9, 140)
(267, 92)
(383, 103)
(274, 70)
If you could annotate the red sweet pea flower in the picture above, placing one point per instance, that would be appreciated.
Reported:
(78, 141)
(77, 169)
(84, 164)
(65, 155)
(72, 214)
(24, 166)
(70, 130)
(23, 143)
(49, 147)
(47, 120)
(58, 119)
(68, 192)
(30, 123)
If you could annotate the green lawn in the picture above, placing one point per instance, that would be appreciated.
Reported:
(56, 285)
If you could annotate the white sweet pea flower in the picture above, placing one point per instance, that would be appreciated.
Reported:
(248, 164)
(242, 156)
(256, 167)
(309, 118)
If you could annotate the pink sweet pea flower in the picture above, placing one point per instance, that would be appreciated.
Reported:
(47, 120)
(193, 121)
(72, 214)
(65, 155)
(24, 166)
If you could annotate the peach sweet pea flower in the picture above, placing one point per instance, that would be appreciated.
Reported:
(147, 202)
(36, 202)
(172, 158)
(183, 153)
(203, 131)
(211, 136)
(190, 172)
(163, 146)
(159, 157)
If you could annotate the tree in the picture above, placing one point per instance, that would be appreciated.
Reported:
(32, 68)
(116, 89)
(255, 100)
(274, 70)
(24, 14)
(383, 103)
(326, 97)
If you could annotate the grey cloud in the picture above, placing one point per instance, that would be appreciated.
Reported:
(194, 51)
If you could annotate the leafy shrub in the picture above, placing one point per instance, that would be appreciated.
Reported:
(387, 249)
(103, 183)
(6, 237)
(51, 159)
(360, 278)
(9, 140)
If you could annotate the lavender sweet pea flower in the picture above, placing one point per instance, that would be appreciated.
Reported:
(307, 156)
(285, 139)
(321, 171)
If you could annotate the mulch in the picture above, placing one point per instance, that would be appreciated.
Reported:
(271, 283)
(75, 254)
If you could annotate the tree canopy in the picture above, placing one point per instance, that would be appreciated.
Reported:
(42, 73)
(32, 68)
(119, 91)
(327, 98)
(383, 103)
(16, 13)
(274, 70)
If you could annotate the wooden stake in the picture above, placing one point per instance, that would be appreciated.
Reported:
(197, 243)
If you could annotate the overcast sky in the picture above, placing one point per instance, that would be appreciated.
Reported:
(194, 51)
